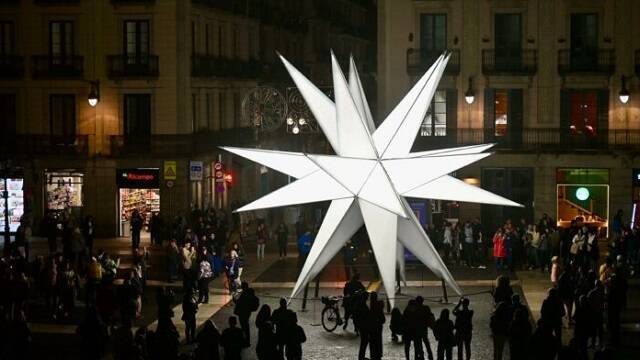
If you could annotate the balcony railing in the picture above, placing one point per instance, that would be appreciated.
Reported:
(419, 61)
(592, 61)
(214, 66)
(45, 66)
(509, 62)
(11, 66)
(536, 139)
(132, 2)
(180, 144)
(56, 2)
(132, 66)
(44, 144)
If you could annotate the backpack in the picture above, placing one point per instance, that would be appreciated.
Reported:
(254, 303)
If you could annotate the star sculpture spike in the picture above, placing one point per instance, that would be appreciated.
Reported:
(370, 175)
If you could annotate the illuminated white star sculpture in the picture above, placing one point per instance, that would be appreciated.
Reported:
(371, 175)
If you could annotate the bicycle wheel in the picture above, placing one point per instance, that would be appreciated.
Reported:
(329, 319)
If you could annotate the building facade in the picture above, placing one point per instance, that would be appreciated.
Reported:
(547, 81)
(169, 78)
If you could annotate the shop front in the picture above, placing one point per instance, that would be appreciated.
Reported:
(63, 191)
(583, 197)
(12, 202)
(138, 189)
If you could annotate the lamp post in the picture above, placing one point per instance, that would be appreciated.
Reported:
(623, 95)
(94, 93)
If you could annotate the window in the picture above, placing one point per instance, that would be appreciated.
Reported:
(206, 39)
(584, 41)
(194, 112)
(221, 108)
(221, 40)
(208, 110)
(61, 42)
(501, 115)
(435, 121)
(508, 41)
(137, 116)
(62, 118)
(136, 41)
(584, 112)
(193, 37)
(7, 38)
(8, 120)
(234, 43)
(433, 36)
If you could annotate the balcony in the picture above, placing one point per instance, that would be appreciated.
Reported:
(132, 66)
(536, 140)
(419, 61)
(586, 61)
(518, 62)
(215, 66)
(45, 144)
(180, 144)
(56, 2)
(133, 2)
(11, 66)
(45, 66)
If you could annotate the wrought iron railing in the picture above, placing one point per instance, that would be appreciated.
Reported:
(419, 60)
(586, 61)
(44, 144)
(509, 61)
(11, 66)
(537, 139)
(139, 65)
(58, 66)
(179, 144)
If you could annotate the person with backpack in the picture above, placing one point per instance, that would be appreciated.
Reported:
(443, 330)
(464, 327)
(204, 277)
(246, 303)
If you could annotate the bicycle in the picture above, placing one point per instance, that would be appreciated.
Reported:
(331, 318)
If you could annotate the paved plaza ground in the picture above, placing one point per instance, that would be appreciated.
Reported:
(342, 345)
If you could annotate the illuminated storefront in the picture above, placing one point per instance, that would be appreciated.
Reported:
(13, 204)
(583, 197)
(138, 189)
(63, 189)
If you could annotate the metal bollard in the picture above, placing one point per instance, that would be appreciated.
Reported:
(304, 299)
(444, 292)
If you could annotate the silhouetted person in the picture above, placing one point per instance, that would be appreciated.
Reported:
(189, 310)
(247, 303)
(232, 340)
(503, 290)
(567, 292)
(136, 226)
(500, 328)
(376, 322)
(208, 340)
(543, 346)
(583, 327)
(362, 321)
(413, 330)
(552, 312)
(294, 340)
(443, 330)
(616, 299)
(93, 335)
(519, 334)
(396, 325)
(266, 347)
(282, 318)
(428, 320)
(464, 327)
(351, 289)
(596, 303)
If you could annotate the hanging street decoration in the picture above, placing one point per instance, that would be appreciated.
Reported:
(370, 175)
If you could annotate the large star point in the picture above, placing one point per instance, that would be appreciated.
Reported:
(371, 173)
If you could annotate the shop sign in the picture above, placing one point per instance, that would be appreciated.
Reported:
(138, 178)
(170, 170)
(636, 177)
(195, 170)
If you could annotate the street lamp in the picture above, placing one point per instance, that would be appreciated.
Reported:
(469, 95)
(623, 95)
(94, 93)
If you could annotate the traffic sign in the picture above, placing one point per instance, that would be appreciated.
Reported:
(195, 170)
(170, 184)
(170, 172)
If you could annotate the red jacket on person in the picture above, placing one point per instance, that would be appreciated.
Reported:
(499, 250)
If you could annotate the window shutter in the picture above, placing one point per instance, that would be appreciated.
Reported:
(603, 116)
(565, 113)
(515, 116)
(452, 113)
(489, 115)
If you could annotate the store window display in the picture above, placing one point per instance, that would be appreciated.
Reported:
(15, 203)
(63, 190)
